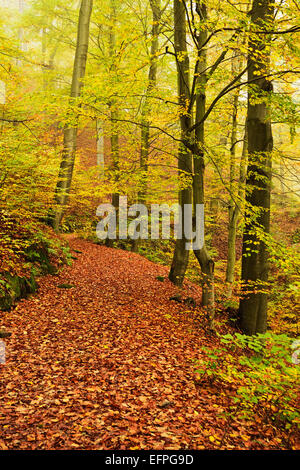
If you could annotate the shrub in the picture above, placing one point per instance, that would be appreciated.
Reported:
(261, 371)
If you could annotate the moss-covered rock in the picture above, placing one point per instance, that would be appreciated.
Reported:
(14, 288)
(26, 252)
(5, 300)
(40, 256)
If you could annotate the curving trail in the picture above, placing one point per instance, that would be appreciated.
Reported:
(108, 363)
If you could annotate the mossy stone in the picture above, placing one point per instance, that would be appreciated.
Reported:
(16, 288)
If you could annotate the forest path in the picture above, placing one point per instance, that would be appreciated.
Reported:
(106, 364)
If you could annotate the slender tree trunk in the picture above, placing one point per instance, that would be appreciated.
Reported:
(114, 112)
(100, 147)
(282, 190)
(203, 257)
(181, 254)
(114, 142)
(145, 124)
(22, 44)
(152, 79)
(233, 211)
(253, 303)
(70, 132)
(194, 195)
(48, 80)
(44, 58)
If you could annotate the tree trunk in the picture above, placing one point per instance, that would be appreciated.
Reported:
(203, 257)
(145, 124)
(152, 79)
(114, 112)
(100, 147)
(181, 254)
(44, 59)
(70, 132)
(233, 211)
(253, 303)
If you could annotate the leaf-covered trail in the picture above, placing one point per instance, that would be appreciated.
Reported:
(106, 364)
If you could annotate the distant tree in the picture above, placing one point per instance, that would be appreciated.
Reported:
(145, 124)
(70, 132)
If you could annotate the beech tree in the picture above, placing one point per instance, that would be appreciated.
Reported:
(191, 159)
(70, 132)
(236, 179)
(181, 254)
(145, 124)
(253, 304)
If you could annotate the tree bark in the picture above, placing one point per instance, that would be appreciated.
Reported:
(114, 112)
(203, 256)
(181, 254)
(145, 124)
(100, 147)
(235, 196)
(70, 132)
(234, 213)
(253, 303)
(152, 79)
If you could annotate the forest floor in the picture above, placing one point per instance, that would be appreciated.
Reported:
(108, 363)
